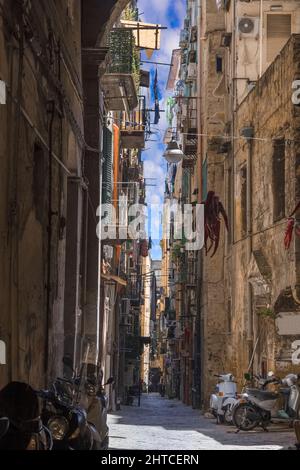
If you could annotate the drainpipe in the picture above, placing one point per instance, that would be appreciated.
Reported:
(51, 113)
(261, 13)
(250, 134)
(199, 326)
(296, 289)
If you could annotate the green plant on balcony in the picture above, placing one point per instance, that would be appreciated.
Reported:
(124, 55)
(131, 14)
(176, 251)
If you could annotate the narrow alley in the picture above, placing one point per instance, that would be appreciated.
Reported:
(168, 424)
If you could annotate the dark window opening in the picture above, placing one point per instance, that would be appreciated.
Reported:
(278, 165)
(229, 204)
(244, 199)
(219, 64)
(229, 316)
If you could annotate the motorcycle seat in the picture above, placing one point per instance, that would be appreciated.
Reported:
(262, 394)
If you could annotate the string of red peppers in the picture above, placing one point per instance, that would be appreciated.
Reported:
(291, 225)
(213, 212)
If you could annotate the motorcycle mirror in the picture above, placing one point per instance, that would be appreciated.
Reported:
(247, 377)
(4, 426)
(110, 381)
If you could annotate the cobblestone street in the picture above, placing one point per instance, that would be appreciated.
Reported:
(162, 424)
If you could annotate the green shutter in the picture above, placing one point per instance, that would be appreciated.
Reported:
(107, 167)
(186, 181)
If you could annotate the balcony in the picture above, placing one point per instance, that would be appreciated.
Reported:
(133, 130)
(121, 81)
(184, 38)
(191, 75)
(189, 128)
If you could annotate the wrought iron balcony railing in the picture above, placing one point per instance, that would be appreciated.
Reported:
(133, 130)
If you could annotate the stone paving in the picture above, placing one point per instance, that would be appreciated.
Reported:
(163, 424)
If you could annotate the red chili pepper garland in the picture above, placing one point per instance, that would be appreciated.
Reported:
(213, 211)
(288, 236)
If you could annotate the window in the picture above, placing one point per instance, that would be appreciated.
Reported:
(219, 64)
(244, 199)
(279, 29)
(229, 203)
(278, 165)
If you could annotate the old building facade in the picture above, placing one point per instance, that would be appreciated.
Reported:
(51, 146)
(240, 312)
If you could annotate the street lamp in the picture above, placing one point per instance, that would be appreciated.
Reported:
(173, 153)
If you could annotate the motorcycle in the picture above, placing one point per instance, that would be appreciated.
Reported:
(258, 407)
(92, 397)
(21, 427)
(67, 422)
(67, 419)
(224, 399)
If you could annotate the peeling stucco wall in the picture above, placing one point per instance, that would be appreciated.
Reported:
(270, 111)
(24, 200)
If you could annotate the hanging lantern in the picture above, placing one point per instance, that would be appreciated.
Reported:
(173, 153)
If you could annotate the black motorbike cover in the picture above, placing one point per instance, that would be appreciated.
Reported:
(19, 404)
(4, 426)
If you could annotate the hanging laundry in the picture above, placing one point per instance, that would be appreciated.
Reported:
(156, 98)
(171, 103)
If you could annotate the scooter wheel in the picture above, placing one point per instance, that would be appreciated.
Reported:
(228, 416)
(241, 417)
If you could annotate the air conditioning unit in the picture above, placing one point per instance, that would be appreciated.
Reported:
(248, 27)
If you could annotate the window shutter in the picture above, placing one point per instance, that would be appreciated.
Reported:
(107, 167)
(279, 29)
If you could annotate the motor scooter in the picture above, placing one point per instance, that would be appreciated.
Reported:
(66, 419)
(92, 397)
(259, 407)
(224, 399)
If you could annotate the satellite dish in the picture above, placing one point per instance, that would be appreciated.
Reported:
(246, 25)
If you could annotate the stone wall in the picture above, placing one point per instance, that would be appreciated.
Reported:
(34, 333)
(272, 270)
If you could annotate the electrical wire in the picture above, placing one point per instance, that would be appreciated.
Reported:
(58, 86)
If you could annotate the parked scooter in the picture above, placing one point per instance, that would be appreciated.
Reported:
(95, 401)
(67, 421)
(73, 411)
(224, 399)
(258, 407)
(21, 427)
